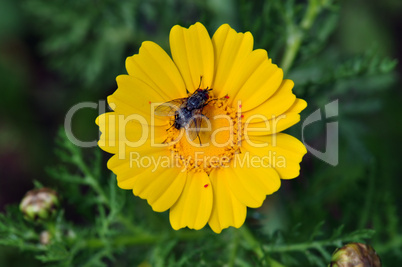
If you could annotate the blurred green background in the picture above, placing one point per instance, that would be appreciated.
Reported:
(54, 54)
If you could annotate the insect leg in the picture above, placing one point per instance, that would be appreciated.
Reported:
(198, 135)
(170, 127)
(199, 86)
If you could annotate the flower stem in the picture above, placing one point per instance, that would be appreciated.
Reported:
(302, 246)
(256, 246)
(142, 239)
(122, 241)
(263, 251)
(251, 241)
(233, 248)
(295, 33)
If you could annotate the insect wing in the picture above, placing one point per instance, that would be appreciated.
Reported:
(170, 108)
(194, 125)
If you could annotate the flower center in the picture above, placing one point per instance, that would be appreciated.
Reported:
(216, 142)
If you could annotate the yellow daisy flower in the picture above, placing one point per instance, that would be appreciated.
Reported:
(234, 162)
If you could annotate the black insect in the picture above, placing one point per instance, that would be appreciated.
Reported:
(187, 111)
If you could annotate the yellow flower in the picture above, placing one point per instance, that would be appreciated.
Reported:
(235, 163)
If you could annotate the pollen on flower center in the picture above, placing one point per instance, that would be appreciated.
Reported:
(217, 143)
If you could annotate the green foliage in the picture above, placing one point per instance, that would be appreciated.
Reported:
(85, 42)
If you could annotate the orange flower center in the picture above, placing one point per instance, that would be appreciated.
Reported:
(216, 142)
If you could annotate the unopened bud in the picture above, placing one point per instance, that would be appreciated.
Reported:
(355, 255)
(39, 204)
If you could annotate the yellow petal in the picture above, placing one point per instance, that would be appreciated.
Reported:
(126, 133)
(133, 96)
(250, 184)
(193, 208)
(193, 55)
(281, 151)
(275, 125)
(254, 125)
(127, 168)
(260, 86)
(227, 210)
(156, 69)
(125, 171)
(160, 186)
(281, 101)
(233, 62)
(265, 180)
(297, 106)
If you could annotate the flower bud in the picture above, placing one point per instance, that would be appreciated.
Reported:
(39, 204)
(355, 255)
